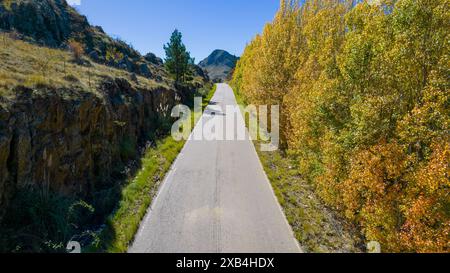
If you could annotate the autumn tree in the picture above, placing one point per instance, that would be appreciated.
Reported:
(363, 87)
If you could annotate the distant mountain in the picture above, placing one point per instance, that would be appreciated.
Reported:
(219, 65)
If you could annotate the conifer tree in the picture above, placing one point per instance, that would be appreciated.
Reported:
(178, 60)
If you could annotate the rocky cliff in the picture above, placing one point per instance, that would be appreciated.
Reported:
(73, 141)
(72, 128)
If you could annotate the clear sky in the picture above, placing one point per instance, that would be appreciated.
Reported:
(206, 24)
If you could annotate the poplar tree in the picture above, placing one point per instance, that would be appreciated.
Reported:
(364, 92)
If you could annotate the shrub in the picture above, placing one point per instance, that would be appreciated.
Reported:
(39, 221)
(46, 61)
(113, 55)
(77, 49)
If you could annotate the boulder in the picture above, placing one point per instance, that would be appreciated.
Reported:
(145, 71)
(152, 58)
(94, 55)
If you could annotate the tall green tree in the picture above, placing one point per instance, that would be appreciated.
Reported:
(178, 60)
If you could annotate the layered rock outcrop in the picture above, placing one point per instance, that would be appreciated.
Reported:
(73, 141)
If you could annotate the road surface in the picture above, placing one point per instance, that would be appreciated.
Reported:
(216, 199)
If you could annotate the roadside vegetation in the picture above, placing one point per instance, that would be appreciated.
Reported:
(207, 96)
(364, 92)
(139, 192)
(316, 227)
(40, 221)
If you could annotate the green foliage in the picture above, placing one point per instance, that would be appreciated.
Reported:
(39, 221)
(207, 96)
(127, 149)
(178, 60)
(113, 55)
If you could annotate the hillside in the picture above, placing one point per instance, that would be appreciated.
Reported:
(53, 23)
(72, 128)
(219, 65)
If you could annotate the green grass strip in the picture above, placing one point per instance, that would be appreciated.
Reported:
(137, 196)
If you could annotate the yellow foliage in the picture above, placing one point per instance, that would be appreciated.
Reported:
(7, 4)
(364, 96)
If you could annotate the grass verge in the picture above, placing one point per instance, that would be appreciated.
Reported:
(138, 194)
(209, 96)
(317, 228)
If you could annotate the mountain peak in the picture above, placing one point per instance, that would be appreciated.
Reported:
(219, 64)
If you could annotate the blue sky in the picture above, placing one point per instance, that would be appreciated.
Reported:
(206, 24)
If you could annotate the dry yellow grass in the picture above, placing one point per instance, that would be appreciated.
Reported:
(30, 65)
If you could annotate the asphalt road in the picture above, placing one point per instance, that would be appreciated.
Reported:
(216, 199)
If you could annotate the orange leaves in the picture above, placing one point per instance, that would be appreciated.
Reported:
(435, 175)
(373, 172)
(76, 48)
(427, 228)
(427, 207)
(372, 190)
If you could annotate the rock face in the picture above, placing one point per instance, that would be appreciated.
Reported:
(73, 141)
(219, 65)
(152, 58)
(48, 22)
